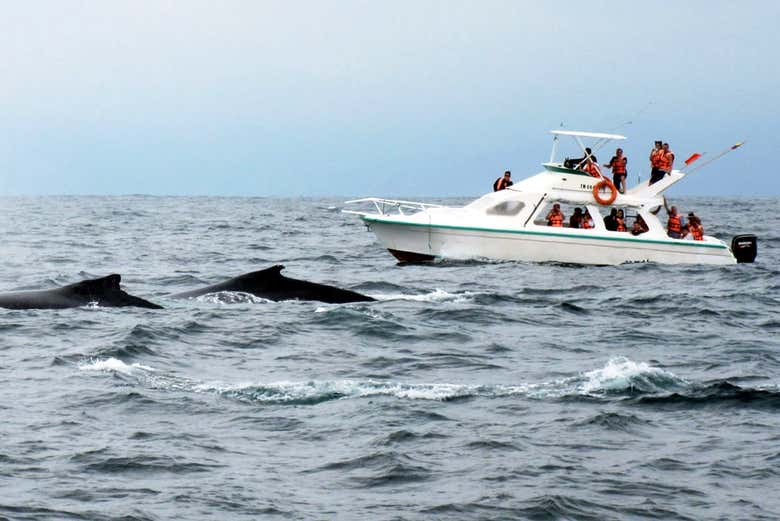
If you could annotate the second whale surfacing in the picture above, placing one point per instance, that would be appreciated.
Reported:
(104, 292)
(272, 285)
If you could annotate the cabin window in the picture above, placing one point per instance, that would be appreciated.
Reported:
(566, 209)
(506, 208)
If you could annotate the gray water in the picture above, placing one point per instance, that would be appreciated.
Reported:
(467, 391)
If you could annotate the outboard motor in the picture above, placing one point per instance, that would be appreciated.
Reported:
(744, 247)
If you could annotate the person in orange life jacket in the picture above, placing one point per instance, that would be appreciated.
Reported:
(587, 221)
(656, 174)
(575, 221)
(618, 166)
(694, 228)
(555, 216)
(610, 221)
(591, 168)
(621, 222)
(639, 227)
(503, 182)
(580, 161)
(675, 224)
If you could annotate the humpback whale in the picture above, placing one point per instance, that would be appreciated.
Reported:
(272, 285)
(104, 291)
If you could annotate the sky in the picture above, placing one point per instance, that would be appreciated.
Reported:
(365, 98)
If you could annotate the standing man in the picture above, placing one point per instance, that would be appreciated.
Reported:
(618, 166)
(503, 182)
(656, 174)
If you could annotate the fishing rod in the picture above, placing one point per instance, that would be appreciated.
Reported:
(696, 156)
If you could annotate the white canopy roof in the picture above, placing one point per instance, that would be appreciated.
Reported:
(596, 135)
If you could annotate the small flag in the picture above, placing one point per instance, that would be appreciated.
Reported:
(737, 145)
(694, 157)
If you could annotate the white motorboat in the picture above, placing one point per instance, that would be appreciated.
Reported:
(511, 224)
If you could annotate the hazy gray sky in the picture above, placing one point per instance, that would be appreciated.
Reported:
(394, 98)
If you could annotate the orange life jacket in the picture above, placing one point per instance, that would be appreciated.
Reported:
(619, 165)
(592, 169)
(621, 224)
(587, 224)
(556, 219)
(665, 161)
(697, 232)
(656, 158)
(673, 225)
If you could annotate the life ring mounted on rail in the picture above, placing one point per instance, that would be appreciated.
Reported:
(604, 183)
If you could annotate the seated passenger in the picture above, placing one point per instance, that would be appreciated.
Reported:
(695, 228)
(621, 222)
(610, 221)
(587, 221)
(555, 216)
(639, 227)
(503, 182)
(591, 168)
(575, 221)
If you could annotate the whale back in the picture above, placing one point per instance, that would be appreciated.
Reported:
(104, 291)
(272, 285)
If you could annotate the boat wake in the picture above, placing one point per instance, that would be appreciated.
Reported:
(621, 380)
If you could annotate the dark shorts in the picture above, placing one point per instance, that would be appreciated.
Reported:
(656, 175)
(617, 180)
(674, 235)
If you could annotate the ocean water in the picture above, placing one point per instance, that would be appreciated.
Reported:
(467, 391)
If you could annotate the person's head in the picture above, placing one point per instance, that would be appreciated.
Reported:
(578, 211)
(587, 151)
(673, 210)
(507, 174)
(556, 207)
(619, 152)
(587, 212)
(613, 212)
(620, 214)
(666, 146)
(658, 143)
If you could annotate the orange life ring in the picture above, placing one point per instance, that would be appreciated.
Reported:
(597, 189)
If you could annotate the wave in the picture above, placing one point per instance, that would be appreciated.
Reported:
(231, 297)
(620, 380)
(437, 295)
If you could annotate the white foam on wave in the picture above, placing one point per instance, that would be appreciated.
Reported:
(290, 391)
(231, 297)
(112, 365)
(619, 374)
(437, 295)
(623, 374)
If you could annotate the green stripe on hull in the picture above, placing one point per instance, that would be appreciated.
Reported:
(564, 170)
(695, 244)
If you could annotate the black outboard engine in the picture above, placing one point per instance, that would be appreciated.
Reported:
(744, 247)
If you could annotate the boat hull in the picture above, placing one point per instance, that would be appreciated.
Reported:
(407, 240)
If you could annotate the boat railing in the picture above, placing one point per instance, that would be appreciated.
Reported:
(387, 206)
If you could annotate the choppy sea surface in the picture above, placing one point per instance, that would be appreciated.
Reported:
(469, 390)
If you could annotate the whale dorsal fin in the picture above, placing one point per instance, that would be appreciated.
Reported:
(269, 273)
(110, 282)
(95, 287)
